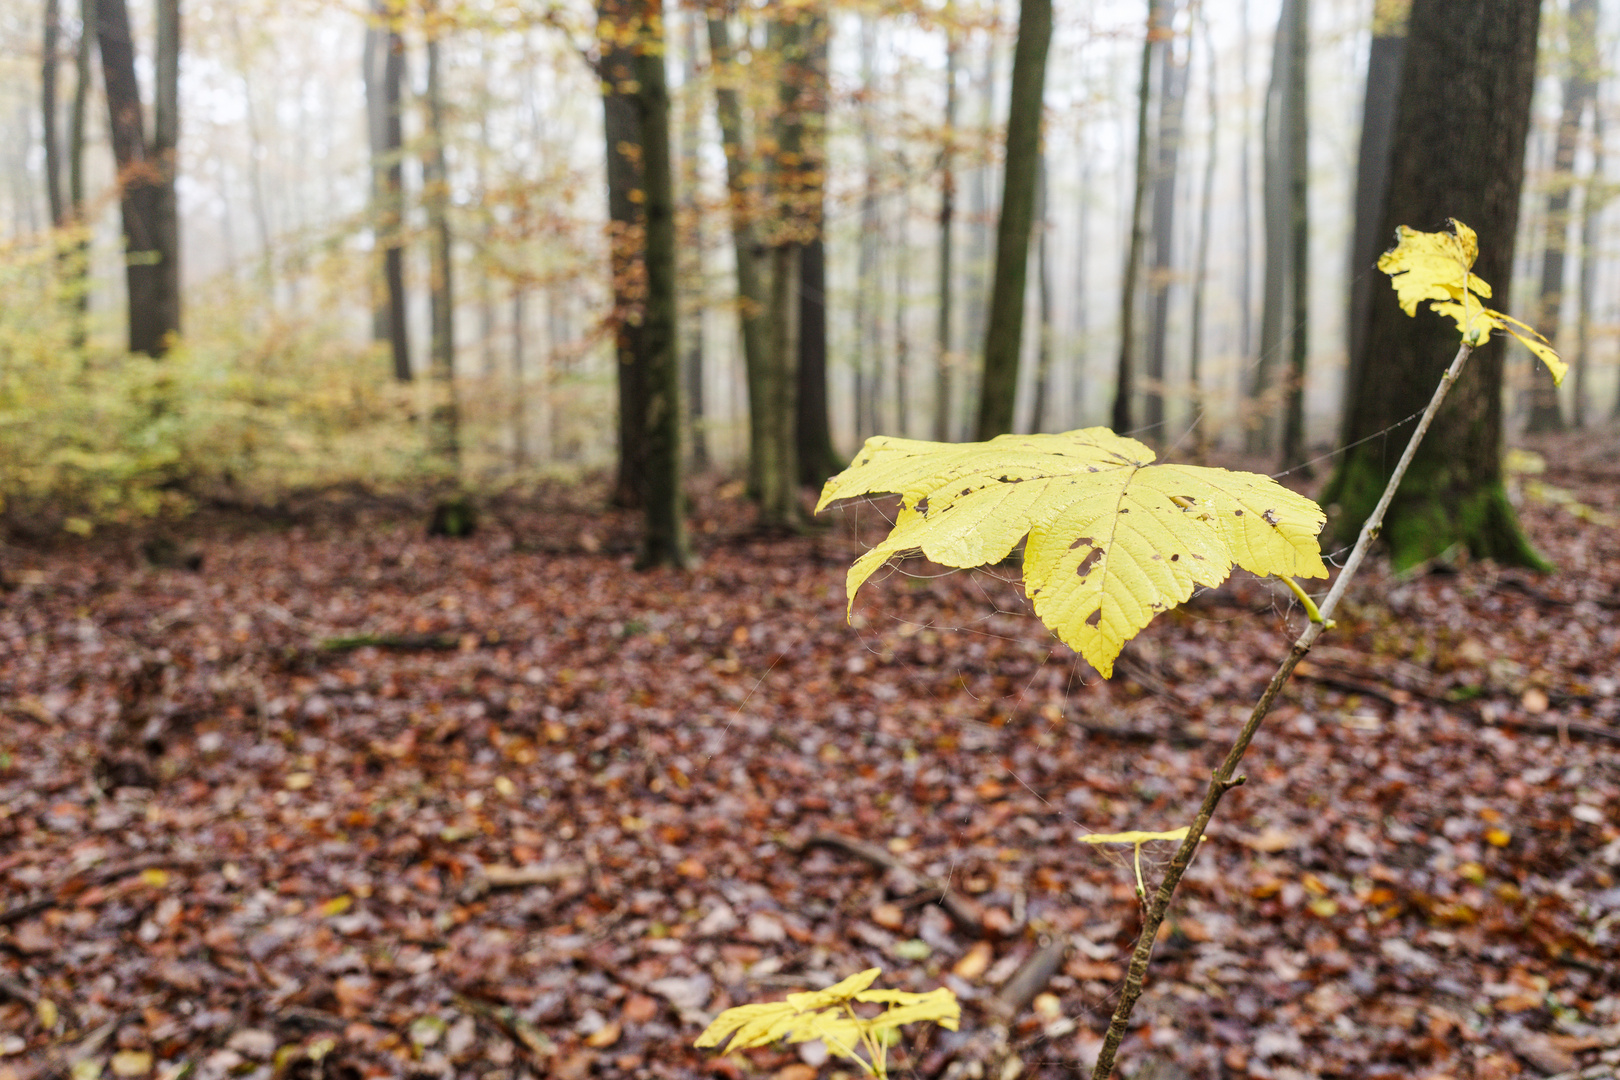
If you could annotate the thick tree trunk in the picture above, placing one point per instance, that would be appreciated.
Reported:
(621, 125)
(998, 388)
(664, 541)
(145, 172)
(1167, 146)
(1458, 151)
(945, 364)
(386, 62)
(1299, 264)
(444, 424)
(1580, 91)
(752, 301)
(1384, 63)
(1125, 371)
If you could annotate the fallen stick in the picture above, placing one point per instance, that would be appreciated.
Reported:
(963, 912)
(92, 876)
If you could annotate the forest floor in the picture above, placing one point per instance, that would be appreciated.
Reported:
(348, 801)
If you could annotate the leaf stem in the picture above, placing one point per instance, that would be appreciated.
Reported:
(1306, 602)
(1224, 778)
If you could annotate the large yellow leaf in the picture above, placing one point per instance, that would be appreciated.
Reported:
(1113, 539)
(1434, 267)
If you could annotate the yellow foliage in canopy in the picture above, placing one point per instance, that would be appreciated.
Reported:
(1113, 539)
(1435, 267)
(828, 1015)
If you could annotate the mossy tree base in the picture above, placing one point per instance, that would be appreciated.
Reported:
(1436, 509)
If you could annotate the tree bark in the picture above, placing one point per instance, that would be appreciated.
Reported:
(1206, 208)
(1579, 91)
(1458, 151)
(664, 540)
(1167, 151)
(79, 273)
(1041, 418)
(1593, 199)
(945, 363)
(692, 248)
(1125, 371)
(868, 358)
(1004, 336)
(444, 424)
(386, 65)
(1385, 61)
(50, 56)
(817, 458)
(752, 301)
(1299, 263)
(621, 125)
(1265, 396)
(145, 172)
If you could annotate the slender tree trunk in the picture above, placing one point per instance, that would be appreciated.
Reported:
(816, 456)
(1592, 203)
(752, 300)
(79, 257)
(627, 238)
(1464, 99)
(1125, 372)
(445, 421)
(1264, 398)
(1299, 279)
(522, 454)
(50, 56)
(868, 359)
(945, 364)
(998, 388)
(903, 398)
(692, 248)
(1580, 90)
(1206, 210)
(387, 65)
(165, 153)
(980, 236)
(1167, 146)
(1041, 419)
(1385, 61)
(1246, 186)
(664, 540)
(1081, 370)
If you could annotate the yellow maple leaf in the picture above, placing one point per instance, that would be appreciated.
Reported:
(1113, 539)
(1435, 267)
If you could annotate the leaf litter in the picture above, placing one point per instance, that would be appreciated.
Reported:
(565, 845)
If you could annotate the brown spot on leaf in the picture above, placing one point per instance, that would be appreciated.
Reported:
(1082, 540)
(1271, 518)
(1175, 558)
(922, 506)
(1085, 564)
(1239, 513)
(1094, 618)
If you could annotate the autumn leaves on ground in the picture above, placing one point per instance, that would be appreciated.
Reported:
(348, 801)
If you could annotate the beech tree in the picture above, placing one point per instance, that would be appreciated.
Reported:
(1458, 151)
(146, 170)
(384, 77)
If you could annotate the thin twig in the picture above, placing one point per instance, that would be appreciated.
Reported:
(1225, 778)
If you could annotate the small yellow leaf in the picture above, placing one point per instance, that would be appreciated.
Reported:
(46, 1013)
(504, 787)
(298, 781)
(1323, 907)
(335, 906)
(131, 1063)
(155, 877)
(1133, 837)
(1498, 837)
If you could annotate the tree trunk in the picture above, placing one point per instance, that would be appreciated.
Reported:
(1041, 418)
(1246, 187)
(944, 369)
(386, 65)
(752, 301)
(621, 126)
(49, 61)
(1206, 208)
(1125, 372)
(998, 388)
(1580, 91)
(817, 458)
(1458, 151)
(1265, 396)
(1385, 61)
(145, 172)
(79, 272)
(1167, 146)
(868, 357)
(1299, 268)
(692, 247)
(521, 452)
(444, 424)
(664, 541)
(1593, 199)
